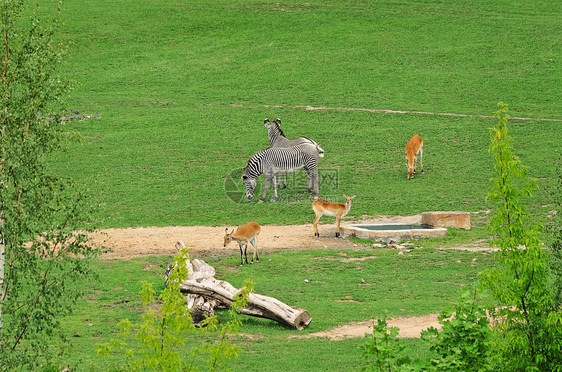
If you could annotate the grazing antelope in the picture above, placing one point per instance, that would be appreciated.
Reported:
(413, 148)
(322, 207)
(244, 234)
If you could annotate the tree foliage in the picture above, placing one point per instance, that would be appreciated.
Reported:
(528, 320)
(42, 257)
(464, 343)
(162, 337)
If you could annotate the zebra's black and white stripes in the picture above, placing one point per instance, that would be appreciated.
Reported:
(277, 139)
(275, 160)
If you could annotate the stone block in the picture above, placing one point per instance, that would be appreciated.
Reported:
(460, 220)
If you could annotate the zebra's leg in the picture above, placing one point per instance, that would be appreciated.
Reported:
(284, 181)
(275, 186)
(308, 181)
(315, 185)
(268, 178)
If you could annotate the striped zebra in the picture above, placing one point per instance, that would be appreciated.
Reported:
(277, 139)
(274, 160)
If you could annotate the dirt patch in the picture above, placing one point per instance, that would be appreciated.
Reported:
(207, 241)
(410, 327)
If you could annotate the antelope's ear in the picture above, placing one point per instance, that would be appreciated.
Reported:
(278, 121)
(226, 230)
(353, 197)
(345, 197)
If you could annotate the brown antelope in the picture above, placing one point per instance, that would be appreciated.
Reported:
(322, 207)
(244, 234)
(413, 148)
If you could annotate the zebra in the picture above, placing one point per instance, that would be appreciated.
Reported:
(274, 160)
(277, 139)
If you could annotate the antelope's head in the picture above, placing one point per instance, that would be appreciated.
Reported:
(411, 169)
(249, 184)
(227, 236)
(349, 198)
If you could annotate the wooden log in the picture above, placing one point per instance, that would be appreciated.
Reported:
(206, 292)
(258, 305)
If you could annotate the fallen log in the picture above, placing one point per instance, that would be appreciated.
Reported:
(206, 292)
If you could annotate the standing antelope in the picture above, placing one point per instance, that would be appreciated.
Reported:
(244, 234)
(322, 207)
(277, 139)
(413, 148)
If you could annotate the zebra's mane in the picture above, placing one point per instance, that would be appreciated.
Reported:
(280, 130)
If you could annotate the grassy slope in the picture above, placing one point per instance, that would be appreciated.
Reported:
(183, 88)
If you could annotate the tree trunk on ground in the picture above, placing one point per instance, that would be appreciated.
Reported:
(205, 292)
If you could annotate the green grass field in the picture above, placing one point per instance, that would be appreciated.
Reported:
(423, 281)
(183, 88)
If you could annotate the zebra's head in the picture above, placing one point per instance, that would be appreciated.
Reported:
(250, 184)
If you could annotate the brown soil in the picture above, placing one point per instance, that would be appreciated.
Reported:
(206, 241)
(409, 327)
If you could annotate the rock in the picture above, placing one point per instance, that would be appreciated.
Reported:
(400, 253)
(377, 245)
(390, 241)
(456, 219)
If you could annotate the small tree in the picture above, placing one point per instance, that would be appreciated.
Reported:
(42, 259)
(555, 262)
(464, 343)
(529, 328)
(166, 326)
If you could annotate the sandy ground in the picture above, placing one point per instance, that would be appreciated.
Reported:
(206, 241)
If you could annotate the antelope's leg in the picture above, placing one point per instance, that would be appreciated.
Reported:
(338, 230)
(315, 224)
(421, 158)
(254, 242)
(241, 254)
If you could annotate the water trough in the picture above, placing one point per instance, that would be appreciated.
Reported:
(397, 232)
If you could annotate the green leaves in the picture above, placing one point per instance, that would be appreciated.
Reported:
(383, 350)
(519, 283)
(40, 271)
(161, 338)
(464, 343)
